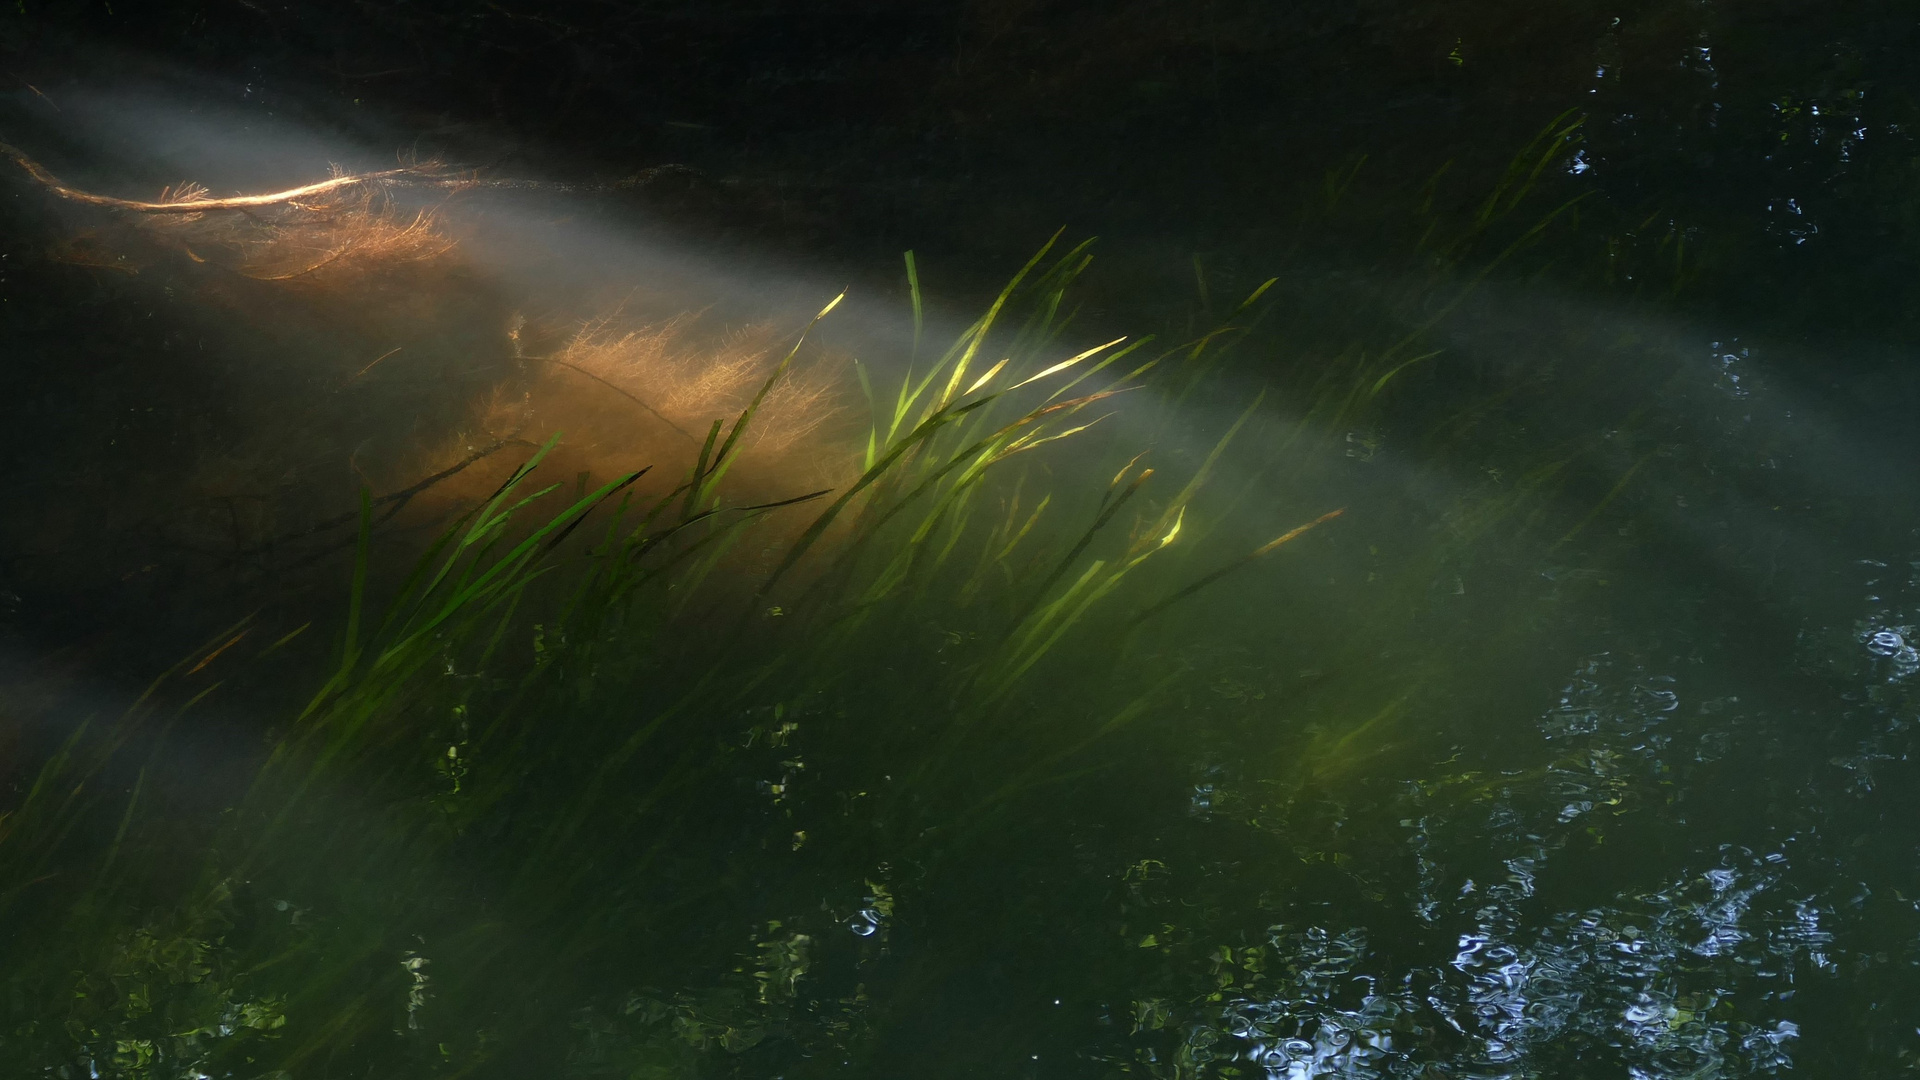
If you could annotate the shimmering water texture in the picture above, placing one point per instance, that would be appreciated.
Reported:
(1493, 683)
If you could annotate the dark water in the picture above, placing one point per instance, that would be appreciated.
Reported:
(1578, 745)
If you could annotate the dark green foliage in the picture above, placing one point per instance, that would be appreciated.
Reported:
(566, 801)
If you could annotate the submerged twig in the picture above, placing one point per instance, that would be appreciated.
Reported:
(199, 205)
(405, 494)
(616, 388)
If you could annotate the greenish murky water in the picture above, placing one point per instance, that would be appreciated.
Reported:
(1572, 738)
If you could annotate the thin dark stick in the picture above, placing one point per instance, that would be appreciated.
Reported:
(616, 389)
(402, 495)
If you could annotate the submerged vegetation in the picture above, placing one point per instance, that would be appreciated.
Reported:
(1090, 711)
(560, 768)
(342, 225)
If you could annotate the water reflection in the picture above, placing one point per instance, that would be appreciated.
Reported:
(1691, 974)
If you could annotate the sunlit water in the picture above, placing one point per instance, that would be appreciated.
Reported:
(1579, 746)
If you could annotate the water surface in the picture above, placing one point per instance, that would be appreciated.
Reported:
(1576, 745)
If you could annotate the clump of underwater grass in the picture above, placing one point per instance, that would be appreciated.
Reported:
(524, 824)
(628, 391)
